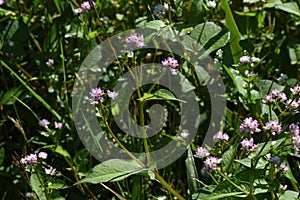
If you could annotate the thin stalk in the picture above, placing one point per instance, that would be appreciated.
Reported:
(167, 186)
(232, 183)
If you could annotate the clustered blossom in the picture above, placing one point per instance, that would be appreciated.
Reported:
(50, 62)
(276, 95)
(42, 155)
(45, 122)
(29, 159)
(295, 135)
(211, 4)
(293, 105)
(283, 167)
(249, 125)
(51, 171)
(159, 10)
(84, 7)
(248, 145)
(210, 164)
(184, 134)
(202, 152)
(134, 41)
(97, 95)
(172, 64)
(58, 125)
(275, 160)
(295, 90)
(33, 158)
(221, 136)
(248, 59)
(273, 126)
(283, 187)
(2, 2)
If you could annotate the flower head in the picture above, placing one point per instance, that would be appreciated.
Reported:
(211, 4)
(112, 94)
(50, 171)
(44, 123)
(283, 187)
(134, 41)
(172, 64)
(210, 164)
(283, 167)
(249, 125)
(96, 95)
(29, 159)
(50, 62)
(274, 127)
(244, 60)
(248, 145)
(42, 155)
(58, 125)
(295, 90)
(275, 160)
(159, 10)
(202, 152)
(221, 136)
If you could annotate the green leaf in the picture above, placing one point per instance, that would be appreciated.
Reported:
(235, 37)
(58, 149)
(288, 194)
(161, 94)
(290, 7)
(237, 80)
(267, 85)
(191, 172)
(8, 97)
(2, 154)
(112, 170)
(80, 159)
(228, 157)
(210, 36)
(269, 147)
(289, 173)
(247, 163)
(36, 187)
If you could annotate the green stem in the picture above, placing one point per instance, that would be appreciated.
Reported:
(38, 97)
(232, 183)
(167, 186)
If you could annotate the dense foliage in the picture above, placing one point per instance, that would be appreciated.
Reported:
(253, 44)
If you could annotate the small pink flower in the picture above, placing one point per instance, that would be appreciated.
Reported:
(249, 125)
(202, 152)
(50, 171)
(44, 123)
(274, 127)
(221, 136)
(58, 125)
(42, 155)
(112, 94)
(210, 164)
(248, 145)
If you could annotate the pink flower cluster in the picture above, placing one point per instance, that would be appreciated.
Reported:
(295, 135)
(84, 7)
(134, 41)
(45, 122)
(275, 96)
(202, 152)
(248, 59)
(221, 136)
(278, 96)
(210, 164)
(96, 95)
(33, 158)
(248, 145)
(273, 126)
(249, 125)
(172, 64)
